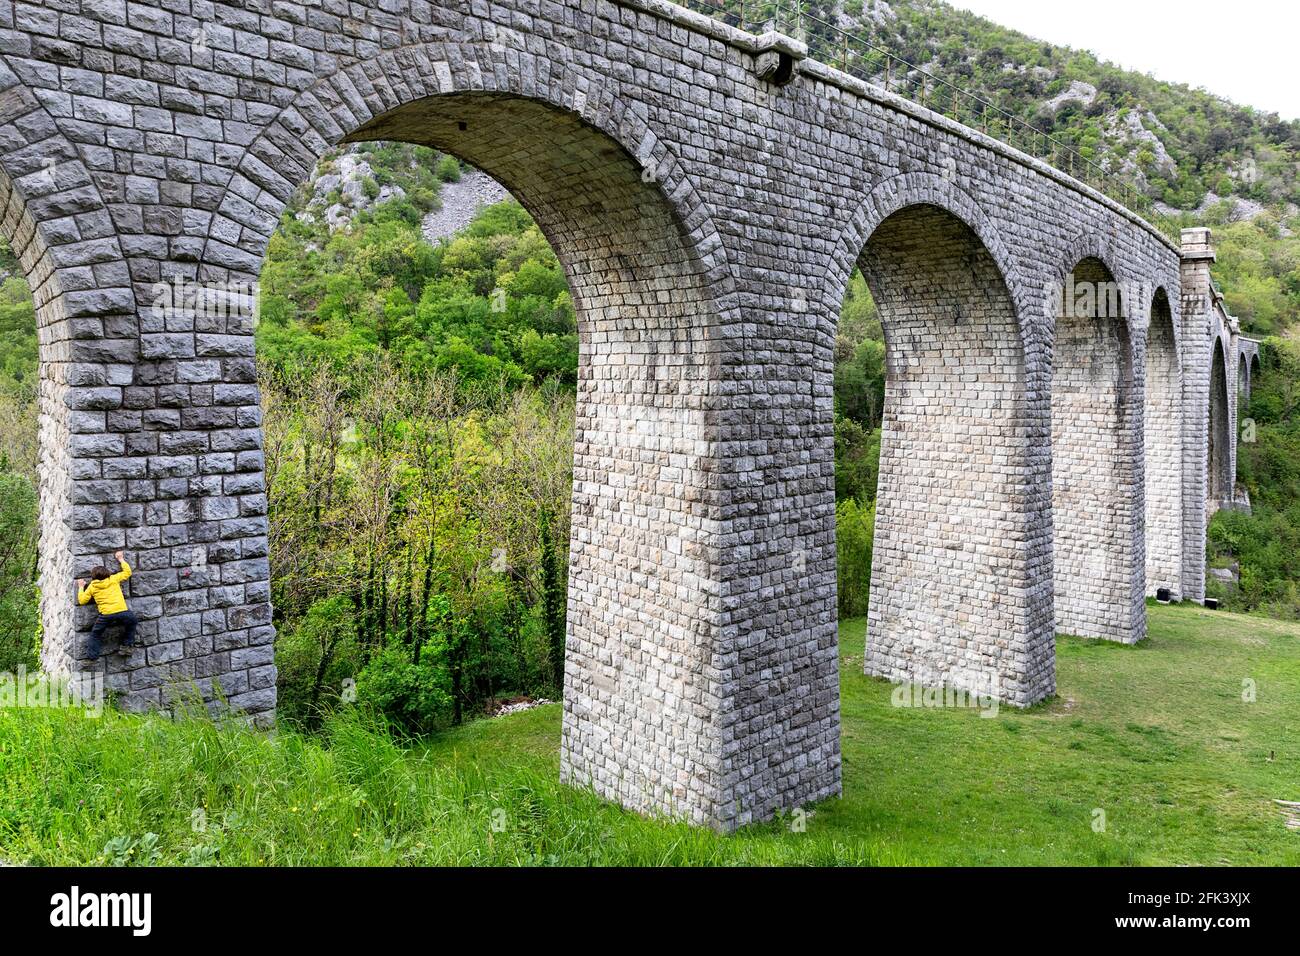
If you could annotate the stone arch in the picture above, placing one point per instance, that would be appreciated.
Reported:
(952, 601)
(651, 287)
(1243, 381)
(365, 100)
(1097, 490)
(1098, 248)
(1252, 375)
(918, 189)
(1219, 464)
(61, 231)
(1163, 442)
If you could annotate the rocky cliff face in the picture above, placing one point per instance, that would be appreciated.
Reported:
(343, 185)
(461, 202)
(346, 184)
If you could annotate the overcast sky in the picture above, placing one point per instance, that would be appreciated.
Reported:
(1247, 50)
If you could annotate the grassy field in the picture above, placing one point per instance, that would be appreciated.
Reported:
(1155, 741)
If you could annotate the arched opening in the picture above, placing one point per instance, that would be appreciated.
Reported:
(1219, 480)
(952, 600)
(646, 584)
(1163, 431)
(1097, 573)
(1243, 382)
(638, 668)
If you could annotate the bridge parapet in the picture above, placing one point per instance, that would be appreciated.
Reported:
(844, 57)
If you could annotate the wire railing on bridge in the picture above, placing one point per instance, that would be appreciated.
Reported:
(856, 55)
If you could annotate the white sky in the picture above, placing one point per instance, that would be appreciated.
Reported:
(1246, 50)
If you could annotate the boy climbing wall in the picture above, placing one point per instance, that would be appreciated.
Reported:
(106, 590)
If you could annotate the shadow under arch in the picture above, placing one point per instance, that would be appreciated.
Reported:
(1098, 568)
(1163, 441)
(960, 594)
(1219, 484)
(651, 287)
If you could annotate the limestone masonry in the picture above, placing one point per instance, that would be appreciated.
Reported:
(1047, 456)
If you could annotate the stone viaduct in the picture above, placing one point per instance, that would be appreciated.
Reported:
(1057, 369)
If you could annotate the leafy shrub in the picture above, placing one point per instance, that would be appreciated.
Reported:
(414, 696)
(448, 169)
(18, 608)
(315, 655)
(857, 460)
(855, 528)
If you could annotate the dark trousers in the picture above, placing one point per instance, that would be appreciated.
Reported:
(123, 619)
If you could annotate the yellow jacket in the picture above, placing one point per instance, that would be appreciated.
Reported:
(107, 593)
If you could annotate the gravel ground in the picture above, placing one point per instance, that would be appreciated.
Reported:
(460, 203)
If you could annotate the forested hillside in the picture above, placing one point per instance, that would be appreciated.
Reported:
(419, 427)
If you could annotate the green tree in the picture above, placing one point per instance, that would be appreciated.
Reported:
(17, 571)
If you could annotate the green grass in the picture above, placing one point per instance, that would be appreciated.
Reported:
(1156, 736)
